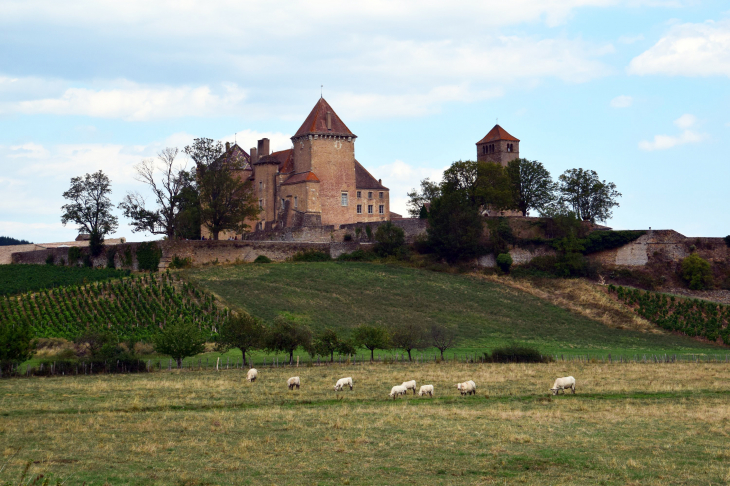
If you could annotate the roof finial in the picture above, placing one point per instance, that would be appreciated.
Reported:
(321, 90)
(234, 138)
(496, 121)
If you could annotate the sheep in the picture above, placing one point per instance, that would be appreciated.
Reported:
(562, 384)
(398, 390)
(252, 374)
(426, 390)
(343, 382)
(410, 385)
(293, 382)
(467, 388)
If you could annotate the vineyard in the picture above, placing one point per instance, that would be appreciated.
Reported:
(15, 279)
(131, 308)
(695, 318)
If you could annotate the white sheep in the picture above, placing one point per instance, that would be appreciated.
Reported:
(343, 382)
(562, 384)
(426, 390)
(467, 388)
(252, 374)
(398, 390)
(293, 382)
(410, 385)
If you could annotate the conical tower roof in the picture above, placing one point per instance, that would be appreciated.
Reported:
(316, 122)
(497, 133)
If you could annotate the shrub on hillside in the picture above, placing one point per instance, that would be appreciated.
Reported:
(357, 256)
(16, 345)
(504, 262)
(262, 259)
(390, 240)
(516, 353)
(178, 262)
(148, 256)
(311, 256)
(696, 272)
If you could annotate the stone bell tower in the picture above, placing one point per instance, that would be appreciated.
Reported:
(498, 146)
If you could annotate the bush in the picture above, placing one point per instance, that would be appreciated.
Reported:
(504, 262)
(262, 259)
(608, 240)
(178, 262)
(516, 353)
(311, 256)
(357, 256)
(148, 256)
(16, 344)
(696, 272)
(390, 239)
(50, 259)
(74, 254)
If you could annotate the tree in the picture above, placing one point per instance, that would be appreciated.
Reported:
(90, 208)
(326, 344)
(454, 227)
(408, 336)
(286, 336)
(417, 200)
(590, 198)
(461, 178)
(188, 219)
(696, 272)
(241, 331)
(372, 338)
(179, 340)
(163, 220)
(442, 337)
(16, 344)
(226, 200)
(493, 188)
(390, 239)
(532, 186)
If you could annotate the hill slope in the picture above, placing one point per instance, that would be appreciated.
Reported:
(344, 295)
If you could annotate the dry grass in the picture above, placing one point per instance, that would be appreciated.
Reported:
(581, 297)
(628, 424)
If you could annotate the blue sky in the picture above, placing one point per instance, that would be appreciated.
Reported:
(636, 90)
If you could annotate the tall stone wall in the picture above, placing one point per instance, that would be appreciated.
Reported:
(38, 257)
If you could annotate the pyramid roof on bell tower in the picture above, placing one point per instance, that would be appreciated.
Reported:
(316, 122)
(497, 133)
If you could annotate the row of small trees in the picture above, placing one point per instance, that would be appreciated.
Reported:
(210, 194)
(246, 333)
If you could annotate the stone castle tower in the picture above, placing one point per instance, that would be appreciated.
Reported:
(498, 146)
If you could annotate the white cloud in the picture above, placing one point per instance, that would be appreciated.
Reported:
(663, 142)
(400, 178)
(249, 138)
(135, 102)
(688, 50)
(685, 121)
(622, 101)
(630, 39)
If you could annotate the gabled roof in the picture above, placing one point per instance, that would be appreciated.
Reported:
(497, 133)
(364, 180)
(316, 122)
(236, 152)
(286, 160)
(301, 177)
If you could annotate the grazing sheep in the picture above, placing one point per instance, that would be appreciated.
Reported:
(342, 383)
(398, 390)
(562, 384)
(252, 374)
(293, 382)
(426, 390)
(410, 385)
(467, 388)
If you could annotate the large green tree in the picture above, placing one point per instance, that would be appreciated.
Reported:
(241, 331)
(286, 336)
(372, 338)
(179, 340)
(532, 186)
(442, 337)
(226, 199)
(454, 227)
(408, 336)
(16, 344)
(493, 188)
(419, 199)
(90, 208)
(390, 239)
(589, 197)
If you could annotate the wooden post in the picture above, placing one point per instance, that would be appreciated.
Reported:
(297, 361)
(217, 362)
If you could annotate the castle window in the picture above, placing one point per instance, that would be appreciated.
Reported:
(359, 209)
(296, 202)
(261, 186)
(381, 209)
(261, 204)
(282, 203)
(380, 195)
(344, 199)
(370, 209)
(370, 195)
(359, 194)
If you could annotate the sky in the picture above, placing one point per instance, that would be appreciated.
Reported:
(636, 90)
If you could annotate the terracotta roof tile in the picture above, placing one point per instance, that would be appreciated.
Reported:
(301, 177)
(316, 122)
(363, 179)
(286, 160)
(497, 133)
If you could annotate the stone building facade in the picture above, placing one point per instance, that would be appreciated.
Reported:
(317, 182)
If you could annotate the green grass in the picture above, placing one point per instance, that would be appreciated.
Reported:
(15, 279)
(344, 295)
(652, 424)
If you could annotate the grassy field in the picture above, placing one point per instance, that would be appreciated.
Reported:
(628, 424)
(488, 314)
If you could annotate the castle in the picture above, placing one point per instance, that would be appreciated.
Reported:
(498, 147)
(317, 182)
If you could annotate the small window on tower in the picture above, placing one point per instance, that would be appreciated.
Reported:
(344, 199)
(261, 204)
(359, 209)
(296, 202)
(261, 186)
(380, 195)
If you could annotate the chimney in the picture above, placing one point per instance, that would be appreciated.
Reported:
(329, 121)
(263, 147)
(380, 181)
(228, 146)
(254, 155)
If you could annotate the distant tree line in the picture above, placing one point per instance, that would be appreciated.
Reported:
(8, 241)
